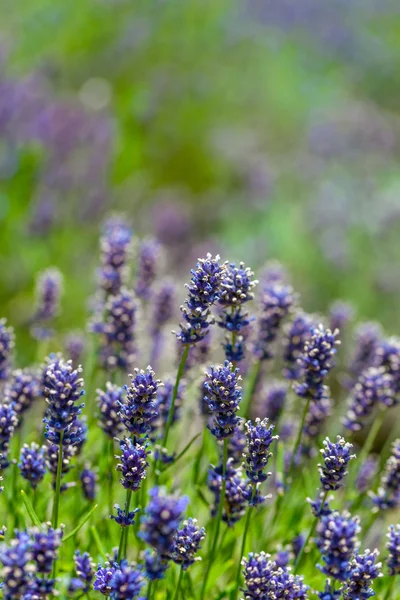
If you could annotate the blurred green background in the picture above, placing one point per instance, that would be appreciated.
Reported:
(262, 129)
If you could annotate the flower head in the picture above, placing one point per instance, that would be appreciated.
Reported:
(276, 303)
(75, 346)
(393, 547)
(21, 390)
(162, 517)
(388, 495)
(48, 296)
(367, 340)
(154, 565)
(84, 568)
(109, 402)
(88, 478)
(340, 313)
(204, 290)
(186, 543)
(163, 306)
(259, 439)
(363, 570)
(123, 517)
(6, 349)
(16, 572)
(296, 334)
(45, 545)
(149, 255)
(366, 474)
(237, 285)
(337, 456)
(316, 362)
(115, 246)
(62, 389)
(126, 583)
(223, 396)
(374, 387)
(337, 541)
(237, 495)
(139, 409)
(32, 463)
(103, 578)
(133, 464)
(8, 424)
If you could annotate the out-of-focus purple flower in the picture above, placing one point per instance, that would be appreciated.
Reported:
(148, 259)
(259, 439)
(296, 334)
(337, 456)
(16, 574)
(133, 464)
(171, 222)
(373, 387)
(273, 272)
(388, 495)
(223, 396)
(84, 568)
(276, 302)
(237, 445)
(337, 542)
(199, 353)
(139, 409)
(154, 565)
(271, 401)
(282, 558)
(297, 543)
(68, 452)
(162, 517)
(366, 474)
(103, 578)
(264, 579)
(123, 517)
(115, 248)
(329, 593)
(21, 390)
(163, 403)
(48, 296)
(109, 402)
(204, 290)
(340, 313)
(8, 424)
(162, 312)
(187, 543)
(388, 356)
(393, 547)
(363, 570)
(88, 478)
(32, 463)
(316, 362)
(237, 495)
(320, 507)
(45, 546)
(126, 583)
(6, 349)
(318, 413)
(116, 329)
(367, 337)
(75, 346)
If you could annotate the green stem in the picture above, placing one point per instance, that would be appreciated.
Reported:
(390, 589)
(149, 589)
(298, 440)
(219, 518)
(243, 547)
(171, 411)
(124, 530)
(110, 454)
(250, 388)
(178, 587)
(369, 442)
(309, 536)
(56, 504)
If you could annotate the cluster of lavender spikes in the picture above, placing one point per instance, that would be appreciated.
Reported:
(153, 525)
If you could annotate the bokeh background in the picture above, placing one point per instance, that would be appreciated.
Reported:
(259, 128)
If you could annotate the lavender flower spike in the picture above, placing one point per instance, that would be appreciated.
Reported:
(48, 295)
(393, 547)
(364, 569)
(203, 291)
(139, 410)
(336, 458)
(388, 495)
(259, 439)
(133, 464)
(187, 543)
(223, 396)
(277, 301)
(374, 387)
(149, 255)
(6, 349)
(32, 463)
(109, 402)
(337, 541)
(115, 246)
(161, 520)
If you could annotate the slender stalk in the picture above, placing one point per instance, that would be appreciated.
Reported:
(243, 547)
(390, 589)
(369, 442)
(149, 589)
(298, 440)
(219, 518)
(123, 538)
(56, 505)
(250, 387)
(309, 536)
(110, 474)
(178, 587)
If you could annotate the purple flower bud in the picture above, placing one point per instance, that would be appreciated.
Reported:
(366, 474)
(126, 583)
(363, 570)
(8, 424)
(154, 565)
(264, 579)
(140, 410)
(272, 400)
(109, 402)
(237, 495)
(75, 346)
(296, 334)
(45, 548)
(276, 303)
(373, 387)
(63, 388)
(32, 463)
(103, 578)
(337, 542)
(124, 518)
(388, 495)
(6, 349)
(340, 313)
(259, 440)
(393, 547)
(316, 362)
(236, 446)
(149, 256)
(16, 572)
(21, 390)
(48, 296)
(162, 517)
(133, 464)
(388, 356)
(320, 507)
(88, 479)
(223, 396)
(115, 247)
(336, 458)
(319, 411)
(116, 327)
(187, 543)
(84, 567)
(367, 339)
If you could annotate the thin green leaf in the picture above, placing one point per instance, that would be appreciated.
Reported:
(30, 510)
(81, 524)
(97, 540)
(186, 448)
